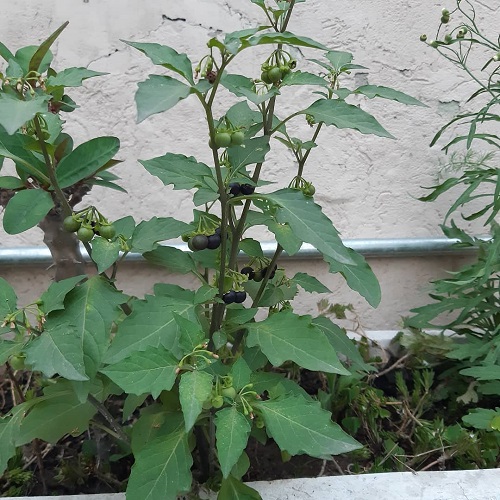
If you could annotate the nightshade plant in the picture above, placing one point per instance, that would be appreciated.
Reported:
(195, 367)
(471, 294)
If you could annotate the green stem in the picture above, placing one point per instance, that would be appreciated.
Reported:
(109, 418)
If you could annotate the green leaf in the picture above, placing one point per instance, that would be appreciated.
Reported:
(148, 233)
(24, 55)
(310, 283)
(105, 253)
(26, 209)
(339, 59)
(58, 413)
(85, 160)
(252, 151)
(251, 247)
(8, 299)
(277, 385)
(53, 298)
(72, 77)
(7, 55)
(482, 418)
(194, 388)
(153, 370)
(191, 334)
(489, 372)
(167, 57)
(241, 372)
(285, 38)
(57, 350)
(151, 423)
(91, 308)
(182, 171)
(132, 402)
(342, 115)
(233, 489)
(9, 431)
(157, 94)
(372, 91)
(342, 343)
(303, 78)
(232, 434)
(173, 259)
(359, 276)
(242, 86)
(14, 113)
(9, 348)
(309, 223)
(10, 182)
(154, 319)
(299, 426)
(284, 336)
(162, 468)
(38, 57)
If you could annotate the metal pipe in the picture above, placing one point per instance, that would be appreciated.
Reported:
(375, 248)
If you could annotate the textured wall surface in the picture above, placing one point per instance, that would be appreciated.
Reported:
(366, 184)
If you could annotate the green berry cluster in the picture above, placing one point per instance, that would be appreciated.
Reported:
(89, 223)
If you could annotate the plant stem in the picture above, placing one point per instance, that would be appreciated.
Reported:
(109, 418)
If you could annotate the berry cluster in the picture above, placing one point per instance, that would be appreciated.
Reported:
(273, 74)
(86, 227)
(258, 275)
(202, 241)
(233, 296)
(226, 137)
(237, 189)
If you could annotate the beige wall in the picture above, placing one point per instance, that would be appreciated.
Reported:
(367, 185)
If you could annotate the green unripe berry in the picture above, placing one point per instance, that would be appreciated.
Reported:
(229, 392)
(274, 74)
(265, 77)
(71, 225)
(434, 44)
(17, 362)
(448, 38)
(423, 37)
(222, 139)
(107, 231)
(85, 234)
(445, 19)
(217, 401)
(237, 138)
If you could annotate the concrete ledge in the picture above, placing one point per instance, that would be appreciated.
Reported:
(448, 485)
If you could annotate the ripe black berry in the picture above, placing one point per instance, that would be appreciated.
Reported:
(234, 188)
(213, 241)
(229, 297)
(240, 297)
(249, 272)
(246, 189)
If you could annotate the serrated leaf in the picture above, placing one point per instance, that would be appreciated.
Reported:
(10, 182)
(303, 78)
(148, 233)
(152, 370)
(194, 388)
(285, 38)
(489, 372)
(284, 336)
(14, 113)
(8, 299)
(338, 113)
(61, 413)
(57, 350)
(481, 418)
(184, 172)
(242, 86)
(154, 318)
(72, 77)
(299, 426)
(173, 259)
(342, 343)
(191, 334)
(232, 431)
(162, 468)
(105, 253)
(309, 223)
(26, 209)
(233, 489)
(310, 283)
(372, 91)
(167, 57)
(359, 276)
(91, 308)
(157, 94)
(85, 160)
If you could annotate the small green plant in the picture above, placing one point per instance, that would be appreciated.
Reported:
(467, 303)
(193, 366)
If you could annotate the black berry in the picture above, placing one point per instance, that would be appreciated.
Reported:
(246, 189)
(240, 297)
(249, 272)
(234, 188)
(199, 242)
(213, 241)
(229, 297)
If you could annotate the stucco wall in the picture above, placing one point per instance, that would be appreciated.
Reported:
(367, 185)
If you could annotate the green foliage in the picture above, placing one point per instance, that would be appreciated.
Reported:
(197, 366)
